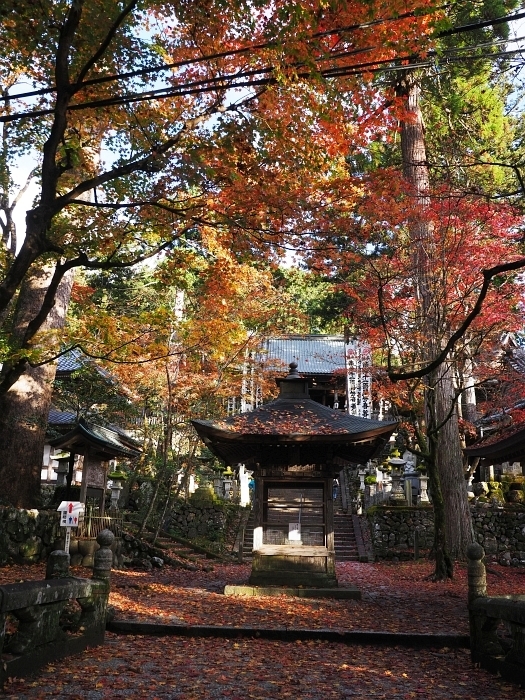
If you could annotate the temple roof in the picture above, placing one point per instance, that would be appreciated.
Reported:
(294, 420)
(314, 354)
(505, 444)
(103, 442)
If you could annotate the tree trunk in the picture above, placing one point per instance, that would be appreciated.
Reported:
(453, 536)
(25, 407)
(458, 523)
(444, 567)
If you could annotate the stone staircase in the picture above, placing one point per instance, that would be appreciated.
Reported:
(247, 545)
(345, 540)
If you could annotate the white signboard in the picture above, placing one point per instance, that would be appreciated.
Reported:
(359, 379)
(71, 513)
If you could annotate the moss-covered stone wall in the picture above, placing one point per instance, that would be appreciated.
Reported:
(27, 536)
(500, 531)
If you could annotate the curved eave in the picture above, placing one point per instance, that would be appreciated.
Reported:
(512, 445)
(210, 431)
(82, 437)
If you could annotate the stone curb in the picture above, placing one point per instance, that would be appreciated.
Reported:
(284, 634)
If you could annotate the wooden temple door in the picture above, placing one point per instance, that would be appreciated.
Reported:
(294, 513)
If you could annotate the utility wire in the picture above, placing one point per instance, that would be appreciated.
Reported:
(262, 76)
(203, 59)
(256, 78)
(258, 47)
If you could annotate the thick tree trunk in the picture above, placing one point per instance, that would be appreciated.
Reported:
(458, 522)
(453, 536)
(444, 567)
(25, 407)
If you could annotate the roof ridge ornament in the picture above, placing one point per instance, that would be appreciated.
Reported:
(293, 374)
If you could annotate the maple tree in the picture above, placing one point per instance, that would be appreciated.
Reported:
(443, 453)
(411, 198)
(465, 236)
(235, 138)
(179, 338)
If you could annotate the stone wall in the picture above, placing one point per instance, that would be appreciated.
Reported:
(393, 530)
(500, 531)
(27, 536)
(212, 522)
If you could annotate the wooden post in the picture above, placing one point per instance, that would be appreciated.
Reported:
(329, 513)
(258, 513)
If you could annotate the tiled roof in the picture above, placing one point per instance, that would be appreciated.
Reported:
(314, 354)
(70, 362)
(107, 441)
(295, 420)
(74, 360)
(505, 444)
(56, 417)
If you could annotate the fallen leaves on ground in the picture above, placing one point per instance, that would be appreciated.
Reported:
(209, 669)
(396, 598)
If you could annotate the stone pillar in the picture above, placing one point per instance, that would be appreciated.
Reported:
(58, 564)
(423, 493)
(477, 577)
(104, 556)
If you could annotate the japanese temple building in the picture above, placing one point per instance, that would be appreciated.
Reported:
(97, 444)
(295, 447)
(500, 452)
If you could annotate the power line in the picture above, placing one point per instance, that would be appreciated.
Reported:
(262, 76)
(203, 59)
(255, 78)
(258, 47)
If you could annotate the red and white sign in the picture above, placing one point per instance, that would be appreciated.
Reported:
(71, 512)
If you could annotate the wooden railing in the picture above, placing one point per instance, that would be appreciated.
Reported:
(497, 624)
(42, 621)
(93, 524)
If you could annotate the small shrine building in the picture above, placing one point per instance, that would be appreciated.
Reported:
(97, 444)
(295, 447)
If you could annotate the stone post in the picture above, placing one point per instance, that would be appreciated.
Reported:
(477, 577)
(423, 493)
(58, 564)
(483, 629)
(103, 556)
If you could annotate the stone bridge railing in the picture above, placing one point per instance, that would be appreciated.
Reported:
(42, 621)
(497, 624)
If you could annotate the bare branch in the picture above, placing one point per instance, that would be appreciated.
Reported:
(488, 275)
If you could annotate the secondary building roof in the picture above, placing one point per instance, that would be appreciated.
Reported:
(505, 444)
(98, 440)
(313, 354)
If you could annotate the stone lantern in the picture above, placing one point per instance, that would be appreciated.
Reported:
(117, 478)
(62, 470)
(397, 496)
(227, 481)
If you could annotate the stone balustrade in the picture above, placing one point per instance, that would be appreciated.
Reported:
(497, 624)
(43, 621)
